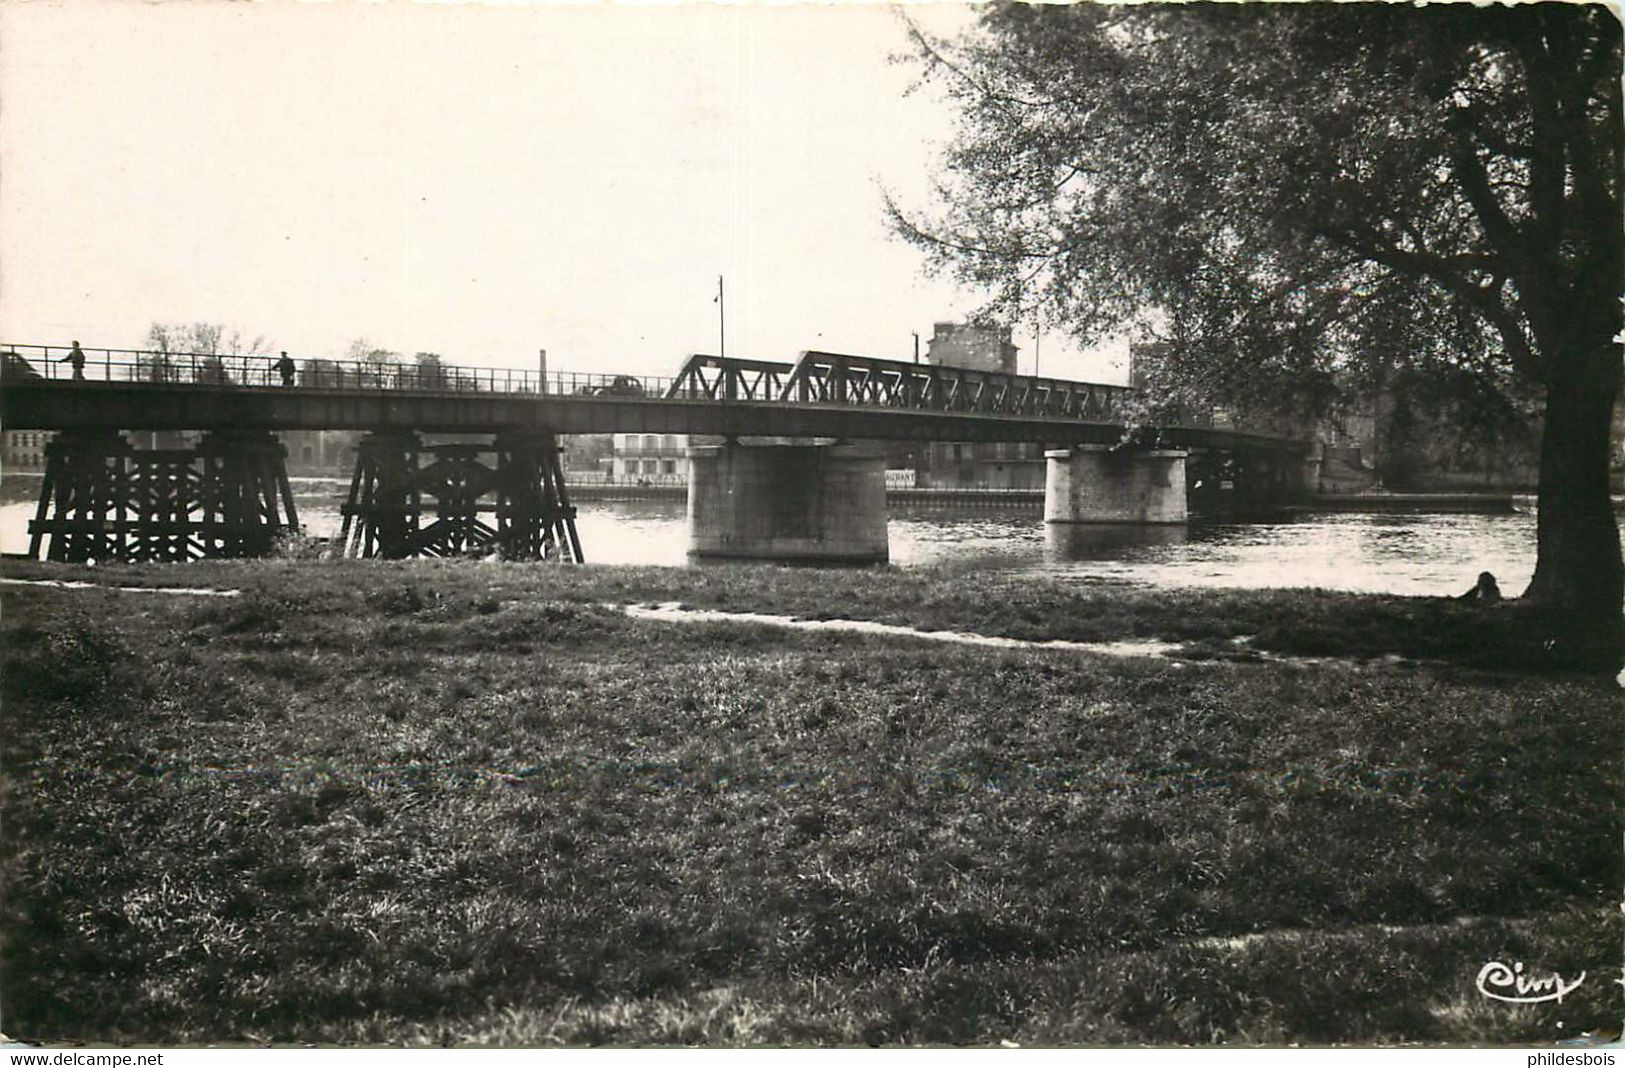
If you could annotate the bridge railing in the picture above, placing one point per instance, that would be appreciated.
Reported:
(816, 378)
(258, 370)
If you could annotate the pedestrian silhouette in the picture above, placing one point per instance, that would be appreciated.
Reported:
(76, 356)
(286, 368)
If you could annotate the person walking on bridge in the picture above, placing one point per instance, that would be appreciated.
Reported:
(286, 369)
(76, 357)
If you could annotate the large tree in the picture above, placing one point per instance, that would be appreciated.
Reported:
(1295, 196)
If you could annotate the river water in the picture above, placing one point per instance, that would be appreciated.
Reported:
(1426, 554)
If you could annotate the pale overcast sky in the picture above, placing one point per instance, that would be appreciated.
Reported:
(478, 181)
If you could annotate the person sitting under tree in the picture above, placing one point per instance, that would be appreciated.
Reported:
(76, 357)
(1485, 591)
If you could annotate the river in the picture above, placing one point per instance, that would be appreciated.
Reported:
(1427, 554)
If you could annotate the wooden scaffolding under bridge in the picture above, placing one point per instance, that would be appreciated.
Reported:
(103, 499)
(465, 498)
(244, 477)
(82, 504)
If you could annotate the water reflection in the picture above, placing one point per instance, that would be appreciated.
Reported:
(634, 532)
(1077, 542)
(1408, 554)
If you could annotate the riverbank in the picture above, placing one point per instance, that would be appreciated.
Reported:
(965, 597)
(459, 802)
(1474, 503)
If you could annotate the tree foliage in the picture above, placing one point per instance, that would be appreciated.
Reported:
(211, 338)
(1301, 199)
(208, 340)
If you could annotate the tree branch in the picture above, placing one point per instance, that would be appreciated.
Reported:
(936, 57)
(920, 236)
(1484, 301)
(1474, 181)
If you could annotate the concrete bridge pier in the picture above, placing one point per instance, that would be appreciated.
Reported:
(1100, 484)
(793, 503)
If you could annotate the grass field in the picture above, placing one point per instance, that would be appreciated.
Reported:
(427, 803)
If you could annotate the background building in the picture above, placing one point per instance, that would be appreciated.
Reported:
(24, 449)
(651, 458)
(320, 452)
(981, 348)
(977, 465)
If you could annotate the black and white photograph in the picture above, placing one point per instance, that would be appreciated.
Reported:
(787, 526)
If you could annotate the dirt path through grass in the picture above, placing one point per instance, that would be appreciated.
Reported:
(179, 591)
(676, 613)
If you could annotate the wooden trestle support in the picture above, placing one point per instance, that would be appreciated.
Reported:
(105, 500)
(454, 504)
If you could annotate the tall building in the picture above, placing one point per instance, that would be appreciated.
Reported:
(980, 348)
(978, 465)
(1139, 354)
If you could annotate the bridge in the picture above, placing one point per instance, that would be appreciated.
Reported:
(230, 496)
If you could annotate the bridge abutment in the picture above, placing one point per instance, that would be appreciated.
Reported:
(796, 503)
(1267, 480)
(1309, 475)
(1239, 483)
(409, 499)
(1100, 484)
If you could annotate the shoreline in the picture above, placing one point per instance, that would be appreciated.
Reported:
(1218, 622)
(1464, 502)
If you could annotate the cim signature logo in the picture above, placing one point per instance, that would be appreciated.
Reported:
(1511, 984)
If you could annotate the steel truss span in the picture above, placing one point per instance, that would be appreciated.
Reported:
(868, 381)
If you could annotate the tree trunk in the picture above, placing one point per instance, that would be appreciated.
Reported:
(1578, 569)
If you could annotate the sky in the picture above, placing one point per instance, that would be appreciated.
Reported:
(480, 181)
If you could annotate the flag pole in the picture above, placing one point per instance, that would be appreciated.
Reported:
(722, 322)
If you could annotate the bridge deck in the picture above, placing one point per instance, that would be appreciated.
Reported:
(823, 395)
